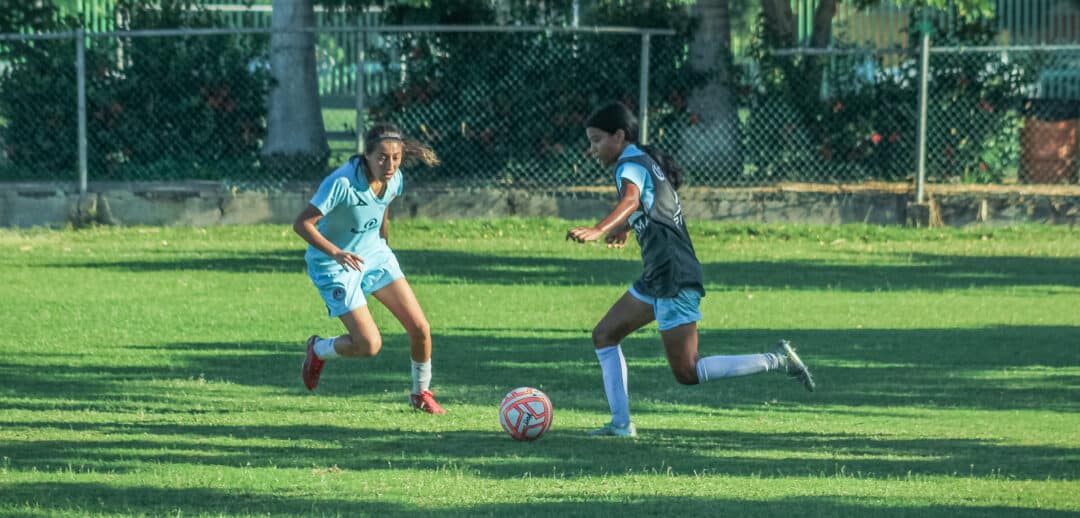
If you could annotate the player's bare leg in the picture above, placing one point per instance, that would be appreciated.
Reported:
(362, 341)
(681, 347)
(399, 298)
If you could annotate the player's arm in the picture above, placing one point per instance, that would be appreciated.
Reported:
(382, 230)
(305, 227)
(614, 222)
(617, 237)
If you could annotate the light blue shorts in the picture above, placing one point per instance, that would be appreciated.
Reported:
(684, 308)
(346, 290)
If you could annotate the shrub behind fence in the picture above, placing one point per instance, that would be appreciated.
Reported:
(505, 108)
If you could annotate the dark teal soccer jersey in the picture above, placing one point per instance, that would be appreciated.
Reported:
(667, 254)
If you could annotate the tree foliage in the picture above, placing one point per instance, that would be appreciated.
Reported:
(486, 99)
(161, 107)
(860, 118)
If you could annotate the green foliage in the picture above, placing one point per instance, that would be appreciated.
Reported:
(483, 99)
(861, 118)
(37, 92)
(160, 107)
(975, 100)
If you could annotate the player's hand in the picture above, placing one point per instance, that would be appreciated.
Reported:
(583, 234)
(349, 260)
(617, 239)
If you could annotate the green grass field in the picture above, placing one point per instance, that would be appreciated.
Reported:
(155, 371)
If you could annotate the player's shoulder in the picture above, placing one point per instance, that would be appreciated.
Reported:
(633, 170)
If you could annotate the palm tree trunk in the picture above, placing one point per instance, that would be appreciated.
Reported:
(295, 138)
(711, 142)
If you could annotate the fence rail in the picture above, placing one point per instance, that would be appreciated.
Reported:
(504, 106)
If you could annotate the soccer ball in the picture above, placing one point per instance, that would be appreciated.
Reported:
(525, 413)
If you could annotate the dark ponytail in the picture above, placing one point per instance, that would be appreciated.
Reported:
(615, 116)
(666, 163)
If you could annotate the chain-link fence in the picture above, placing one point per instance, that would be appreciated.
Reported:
(1003, 114)
(505, 107)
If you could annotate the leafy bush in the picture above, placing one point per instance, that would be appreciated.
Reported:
(861, 123)
(159, 107)
(485, 99)
(37, 94)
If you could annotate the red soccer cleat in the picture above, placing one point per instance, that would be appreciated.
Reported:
(312, 365)
(425, 401)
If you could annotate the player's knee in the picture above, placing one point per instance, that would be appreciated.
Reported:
(685, 375)
(374, 344)
(420, 332)
(365, 346)
(602, 337)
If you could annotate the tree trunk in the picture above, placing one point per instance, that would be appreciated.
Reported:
(779, 23)
(780, 32)
(711, 142)
(819, 39)
(822, 26)
(295, 137)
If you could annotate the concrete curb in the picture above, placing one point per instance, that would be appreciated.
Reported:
(212, 203)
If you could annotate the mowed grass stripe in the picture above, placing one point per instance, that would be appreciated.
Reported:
(155, 371)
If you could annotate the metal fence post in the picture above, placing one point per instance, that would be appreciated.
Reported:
(924, 72)
(80, 80)
(643, 90)
(361, 87)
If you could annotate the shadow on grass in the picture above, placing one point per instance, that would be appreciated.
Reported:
(562, 453)
(157, 501)
(996, 368)
(999, 368)
(918, 271)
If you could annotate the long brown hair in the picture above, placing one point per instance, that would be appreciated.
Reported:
(413, 151)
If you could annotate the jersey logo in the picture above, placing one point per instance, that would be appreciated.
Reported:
(371, 223)
(360, 202)
(658, 172)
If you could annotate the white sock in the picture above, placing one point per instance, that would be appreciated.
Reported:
(613, 366)
(324, 348)
(421, 376)
(716, 367)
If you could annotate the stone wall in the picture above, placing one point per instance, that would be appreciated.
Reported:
(209, 203)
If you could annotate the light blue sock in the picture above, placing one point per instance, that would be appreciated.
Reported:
(716, 367)
(613, 366)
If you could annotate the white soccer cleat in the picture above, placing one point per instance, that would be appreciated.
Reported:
(610, 430)
(793, 365)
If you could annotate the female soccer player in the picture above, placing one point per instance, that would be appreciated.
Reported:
(349, 259)
(671, 286)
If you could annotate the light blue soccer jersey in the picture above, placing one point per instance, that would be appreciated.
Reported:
(637, 175)
(352, 215)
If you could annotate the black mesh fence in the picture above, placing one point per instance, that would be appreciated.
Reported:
(505, 108)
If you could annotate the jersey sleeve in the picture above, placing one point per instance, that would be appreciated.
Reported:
(633, 173)
(332, 191)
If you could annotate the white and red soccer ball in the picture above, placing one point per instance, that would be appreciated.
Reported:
(525, 413)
